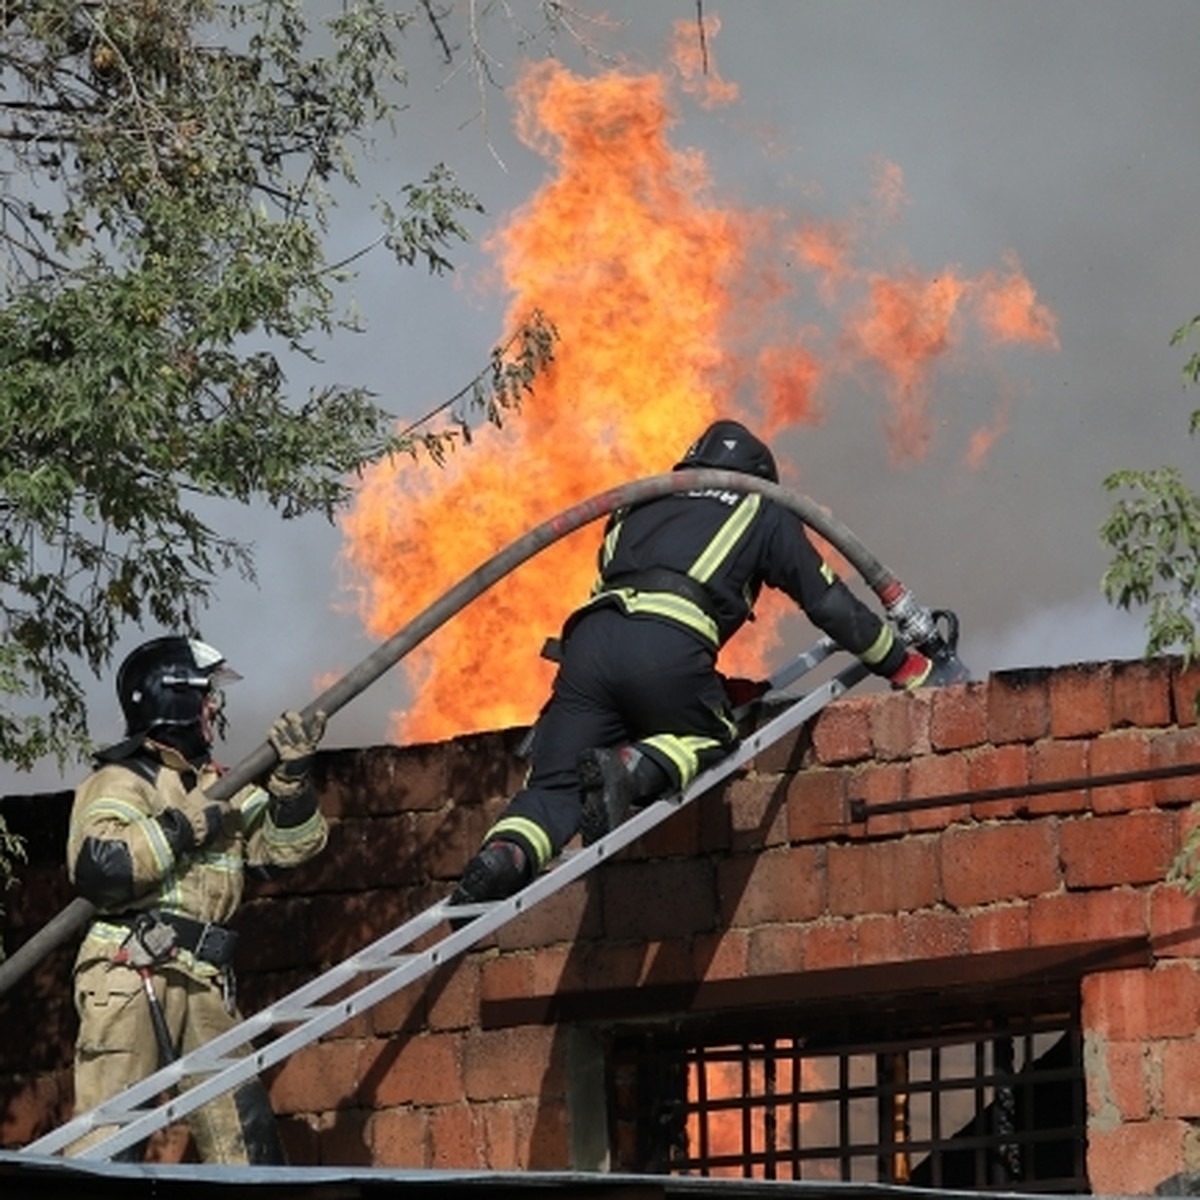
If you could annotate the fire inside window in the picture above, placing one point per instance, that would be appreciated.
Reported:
(989, 1098)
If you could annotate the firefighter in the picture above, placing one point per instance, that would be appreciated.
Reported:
(638, 707)
(164, 865)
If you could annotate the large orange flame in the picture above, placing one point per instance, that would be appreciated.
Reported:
(661, 295)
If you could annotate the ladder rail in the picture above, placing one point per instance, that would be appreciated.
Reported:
(132, 1123)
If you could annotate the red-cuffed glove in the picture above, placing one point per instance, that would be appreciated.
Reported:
(741, 691)
(913, 672)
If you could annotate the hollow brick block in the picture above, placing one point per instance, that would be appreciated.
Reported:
(1080, 700)
(986, 864)
(1018, 705)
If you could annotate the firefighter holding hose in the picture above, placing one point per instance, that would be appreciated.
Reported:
(638, 707)
(164, 864)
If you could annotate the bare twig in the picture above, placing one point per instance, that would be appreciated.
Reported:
(439, 33)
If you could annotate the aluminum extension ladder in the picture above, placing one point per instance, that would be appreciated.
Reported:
(308, 1013)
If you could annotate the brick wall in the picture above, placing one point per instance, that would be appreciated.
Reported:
(1027, 823)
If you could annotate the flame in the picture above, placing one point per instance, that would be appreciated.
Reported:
(732, 1132)
(671, 310)
(692, 55)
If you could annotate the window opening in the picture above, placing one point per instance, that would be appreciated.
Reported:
(981, 1095)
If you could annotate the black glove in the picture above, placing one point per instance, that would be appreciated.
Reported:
(194, 823)
(295, 740)
(741, 691)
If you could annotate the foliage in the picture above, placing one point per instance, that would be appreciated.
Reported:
(168, 169)
(1154, 533)
(1155, 536)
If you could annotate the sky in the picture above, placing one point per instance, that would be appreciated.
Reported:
(954, 142)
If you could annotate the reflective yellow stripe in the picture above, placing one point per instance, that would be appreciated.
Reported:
(609, 547)
(682, 752)
(664, 604)
(827, 573)
(530, 832)
(253, 807)
(276, 835)
(880, 648)
(130, 814)
(727, 537)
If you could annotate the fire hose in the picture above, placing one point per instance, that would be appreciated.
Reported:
(933, 632)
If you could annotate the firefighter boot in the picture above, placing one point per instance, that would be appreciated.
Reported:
(611, 782)
(495, 873)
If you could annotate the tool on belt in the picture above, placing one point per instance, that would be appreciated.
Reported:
(151, 941)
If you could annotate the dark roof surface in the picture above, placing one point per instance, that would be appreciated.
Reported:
(48, 1178)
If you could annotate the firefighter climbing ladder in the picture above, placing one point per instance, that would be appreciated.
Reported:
(390, 963)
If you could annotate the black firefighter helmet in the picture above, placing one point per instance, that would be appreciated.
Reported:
(165, 681)
(730, 446)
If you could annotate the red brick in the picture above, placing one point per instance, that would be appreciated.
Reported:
(1180, 1070)
(932, 776)
(879, 939)
(757, 811)
(573, 913)
(982, 864)
(505, 1063)
(958, 718)
(546, 1127)
(32, 1106)
(421, 1070)
(791, 753)
(722, 955)
(1018, 705)
(669, 898)
(881, 784)
(458, 1138)
(900, 725)
(614, 964)
(398, 1138)
(1120, 754)
(1177, 748)
(883, 877)
(1142, 693)
(512, 975)
(777, 886)
(1056, 762)
(1000, 928)
(1080, 700)
(817, 805)
(830, 944)
(841, 732)
(680, 835)
(1136, 1004)
(344, 1138)
(1133, 1159)
(403, 1010)
(1123, 1081)
(934, 935)
(503, 1139)
(1071, 917)
(992, 767)
(1129, 848)
(451, 995)
(1185, 686)
(321, 1076)
(667, 962)
(777, 949)
(1174, 922)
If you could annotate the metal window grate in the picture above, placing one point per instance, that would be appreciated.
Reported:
(987, 1096)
